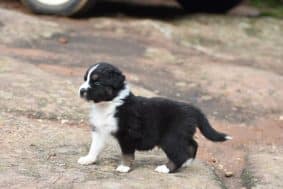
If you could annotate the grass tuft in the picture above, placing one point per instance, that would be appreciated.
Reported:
(269, 7)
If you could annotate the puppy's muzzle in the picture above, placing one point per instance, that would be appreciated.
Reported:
(83, 93)
(84, 90)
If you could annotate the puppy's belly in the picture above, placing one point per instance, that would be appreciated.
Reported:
(145, 144)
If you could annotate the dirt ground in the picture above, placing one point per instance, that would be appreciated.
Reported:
(229, 66)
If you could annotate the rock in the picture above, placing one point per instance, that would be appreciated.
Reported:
(220, 166)
(63, 40)
(228, 174)
(181, 84)
(266, 167)
(206, 98)
(156, 91)
(192, 85)
(213, 160)
(53, 154)
(178, 94)
(63, 121)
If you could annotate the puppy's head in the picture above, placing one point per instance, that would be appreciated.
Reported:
(102, 82)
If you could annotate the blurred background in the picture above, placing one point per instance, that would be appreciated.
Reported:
(224, 56)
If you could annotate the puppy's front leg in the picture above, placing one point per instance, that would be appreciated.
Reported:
(97, 144)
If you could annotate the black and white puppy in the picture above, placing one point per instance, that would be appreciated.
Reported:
(140, 123)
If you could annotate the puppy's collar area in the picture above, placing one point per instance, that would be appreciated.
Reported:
(119, 99)
(124, 93)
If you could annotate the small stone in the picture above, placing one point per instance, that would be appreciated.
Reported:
(228, 174)
(51, 155)
(220, 166)
(63, 40)
(213, 160)
(215, 113)
(156, 91)
(281, 118)
(62, 164)
(234, 108)
(63, 121)
(206, 98)
(181, 84)
(191, 85)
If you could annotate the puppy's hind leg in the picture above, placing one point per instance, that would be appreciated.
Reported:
(192, 149)
(178, 152)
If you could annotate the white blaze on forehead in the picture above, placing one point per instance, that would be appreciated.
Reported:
(86, 85)
(90, 72)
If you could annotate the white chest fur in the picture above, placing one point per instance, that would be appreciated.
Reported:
(104, 123)
(102, 117)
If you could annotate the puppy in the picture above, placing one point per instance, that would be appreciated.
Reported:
(140, 123)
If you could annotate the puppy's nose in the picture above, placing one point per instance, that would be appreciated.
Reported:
(83, 92)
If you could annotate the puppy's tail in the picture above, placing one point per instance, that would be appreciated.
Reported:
(209, 132)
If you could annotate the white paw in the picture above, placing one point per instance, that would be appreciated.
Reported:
(188, 162)
(123, 169)
(86, 160)
(162, 169)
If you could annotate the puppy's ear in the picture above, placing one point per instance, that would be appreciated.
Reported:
(117, 79)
